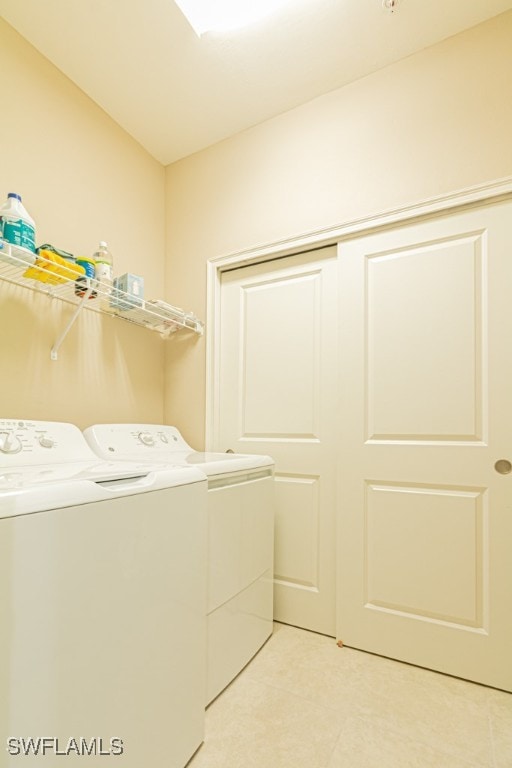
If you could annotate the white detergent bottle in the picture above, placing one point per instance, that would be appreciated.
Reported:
(17, 227)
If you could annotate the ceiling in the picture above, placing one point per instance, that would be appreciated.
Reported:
(176, 93)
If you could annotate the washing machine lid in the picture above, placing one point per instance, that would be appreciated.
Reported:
(25, 490)
(159, 442)
(221, 463)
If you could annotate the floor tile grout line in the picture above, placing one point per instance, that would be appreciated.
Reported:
(414, 742)
(295, 695)
(328, 763)
(299, 698)
(399, 732)
(491, 731)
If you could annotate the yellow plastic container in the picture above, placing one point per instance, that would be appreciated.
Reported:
(53, 269)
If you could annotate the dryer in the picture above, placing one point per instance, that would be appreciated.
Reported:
(102, 603)
(240, 538)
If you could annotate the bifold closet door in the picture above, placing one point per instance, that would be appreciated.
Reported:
(277, 395)
(425, 557)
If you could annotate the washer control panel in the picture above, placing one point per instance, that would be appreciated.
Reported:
(24, 442)
(132, 441)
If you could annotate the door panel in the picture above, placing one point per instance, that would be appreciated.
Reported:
(297, 530)
(447, 530)
(280, 342)
(277, 396)
(424, 575)
(424, 313)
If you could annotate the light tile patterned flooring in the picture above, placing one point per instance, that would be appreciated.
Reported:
(305, 703)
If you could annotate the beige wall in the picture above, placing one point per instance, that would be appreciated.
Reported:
(83, 179)
(436, 122)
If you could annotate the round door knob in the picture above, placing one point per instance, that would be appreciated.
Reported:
(503, 466)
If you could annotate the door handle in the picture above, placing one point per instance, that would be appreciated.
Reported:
(503, 466)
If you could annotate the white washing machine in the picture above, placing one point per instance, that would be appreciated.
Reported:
(240, 538)
(102, 604)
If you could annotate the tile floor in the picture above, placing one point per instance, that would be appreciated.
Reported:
(305, 703)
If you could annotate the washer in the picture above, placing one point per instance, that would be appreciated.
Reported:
(102, 602)
(240, 538)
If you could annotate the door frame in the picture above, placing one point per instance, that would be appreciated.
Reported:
(500, 189)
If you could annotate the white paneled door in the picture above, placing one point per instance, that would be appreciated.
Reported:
(425, 539)
(277, 395)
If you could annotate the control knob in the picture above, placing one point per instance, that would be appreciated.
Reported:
(46, 442)
(146, 438)
(9, 443)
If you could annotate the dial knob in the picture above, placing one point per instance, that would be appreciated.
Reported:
(9, 443)
(146, 438)
(46, 442)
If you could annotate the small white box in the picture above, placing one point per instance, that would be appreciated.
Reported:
(127, 292)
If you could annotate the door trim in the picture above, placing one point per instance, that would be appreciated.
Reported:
(474, 195)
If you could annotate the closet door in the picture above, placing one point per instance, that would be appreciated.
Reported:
(425, 559)
(276, 395)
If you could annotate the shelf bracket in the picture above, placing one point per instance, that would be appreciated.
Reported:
(55, 349)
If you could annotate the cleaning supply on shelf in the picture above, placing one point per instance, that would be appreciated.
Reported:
(104, 273)
(104, 267)
(18, 228)
(53, 268)
(128, 292)
(83, 283)
(63, 254)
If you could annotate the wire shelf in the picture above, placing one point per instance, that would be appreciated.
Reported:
(63, 283)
